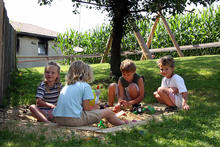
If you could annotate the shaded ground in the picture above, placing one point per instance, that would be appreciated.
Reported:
(19, 118)
(22, 113)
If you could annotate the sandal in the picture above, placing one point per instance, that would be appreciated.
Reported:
(170, 109)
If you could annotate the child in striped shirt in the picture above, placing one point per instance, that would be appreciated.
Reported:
(47, 93)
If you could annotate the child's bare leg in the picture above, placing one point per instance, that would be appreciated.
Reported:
(111, 93)
(157, 97)
(133, 91)
(111, 117)
(164, 97)
(38, 114)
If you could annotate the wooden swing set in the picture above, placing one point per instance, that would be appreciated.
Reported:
(146, 54)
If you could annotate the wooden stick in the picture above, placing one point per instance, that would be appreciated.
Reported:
(171, 35)
(108, 46)
(149, 40)
(144, 48)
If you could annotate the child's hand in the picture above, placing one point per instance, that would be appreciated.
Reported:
(185, 106)
(122, 102)
(52, 106)
(174, 90)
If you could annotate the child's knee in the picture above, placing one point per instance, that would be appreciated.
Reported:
(107, 113)
(160, 90)
(33, 108)
(133, 90)
(112, 86)
(155, 94)
(112, 91)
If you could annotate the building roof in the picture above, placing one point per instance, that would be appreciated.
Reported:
(33, 30)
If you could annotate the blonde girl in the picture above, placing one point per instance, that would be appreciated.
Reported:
(73, 107)
(47, 93)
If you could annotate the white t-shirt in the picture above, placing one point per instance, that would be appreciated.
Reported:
(175, 81)
(71, 98)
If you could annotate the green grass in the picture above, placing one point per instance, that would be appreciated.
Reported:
(200, 126)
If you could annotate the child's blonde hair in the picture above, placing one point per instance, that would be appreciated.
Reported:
(166, 61)
(51, 63)
(57, 81)
(79, 71)
(127, 66)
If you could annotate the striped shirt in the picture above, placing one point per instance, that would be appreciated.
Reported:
(49, 94)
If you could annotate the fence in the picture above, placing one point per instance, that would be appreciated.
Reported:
(7, 51)
(23, 59)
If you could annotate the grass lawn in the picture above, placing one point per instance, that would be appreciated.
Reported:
(200, 126)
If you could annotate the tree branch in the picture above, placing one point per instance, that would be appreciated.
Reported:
(90, 3)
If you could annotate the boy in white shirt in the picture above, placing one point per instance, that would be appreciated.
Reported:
(172, 92)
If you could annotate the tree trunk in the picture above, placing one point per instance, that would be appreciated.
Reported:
(118, 27)
(115, 60)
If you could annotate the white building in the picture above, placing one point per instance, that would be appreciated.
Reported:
(33, 43)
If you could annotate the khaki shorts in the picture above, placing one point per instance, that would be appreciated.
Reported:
(87, 118)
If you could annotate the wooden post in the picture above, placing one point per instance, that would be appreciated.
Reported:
(149, 40)
(171, 35)
(108, 46)
(145, 49)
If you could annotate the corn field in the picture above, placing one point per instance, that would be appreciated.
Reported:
(189, 29)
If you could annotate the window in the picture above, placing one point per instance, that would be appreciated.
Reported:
(42, 48)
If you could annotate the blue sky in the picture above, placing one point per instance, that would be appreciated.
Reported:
(57, 17)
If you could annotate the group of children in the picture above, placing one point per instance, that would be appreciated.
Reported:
(69, 105)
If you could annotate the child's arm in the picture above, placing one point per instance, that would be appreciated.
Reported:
(87, 107)
(184, 103)
(174, 90)
(40, 102)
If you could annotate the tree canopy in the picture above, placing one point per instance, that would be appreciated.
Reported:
(122, 12)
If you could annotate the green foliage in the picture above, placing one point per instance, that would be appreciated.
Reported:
(191, 28)
(92, 42)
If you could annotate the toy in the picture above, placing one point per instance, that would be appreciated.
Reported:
(101, 125)
(151, 109)
(116, 108)
(134, 120)
(137, 109)
(96, 94)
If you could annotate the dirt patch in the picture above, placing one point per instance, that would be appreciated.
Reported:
(22, 113)
(20, 118)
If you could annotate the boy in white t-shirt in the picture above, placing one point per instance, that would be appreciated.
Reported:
(172, 92)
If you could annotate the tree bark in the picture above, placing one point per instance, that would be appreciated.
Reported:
(118, 20)
(115, 60)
